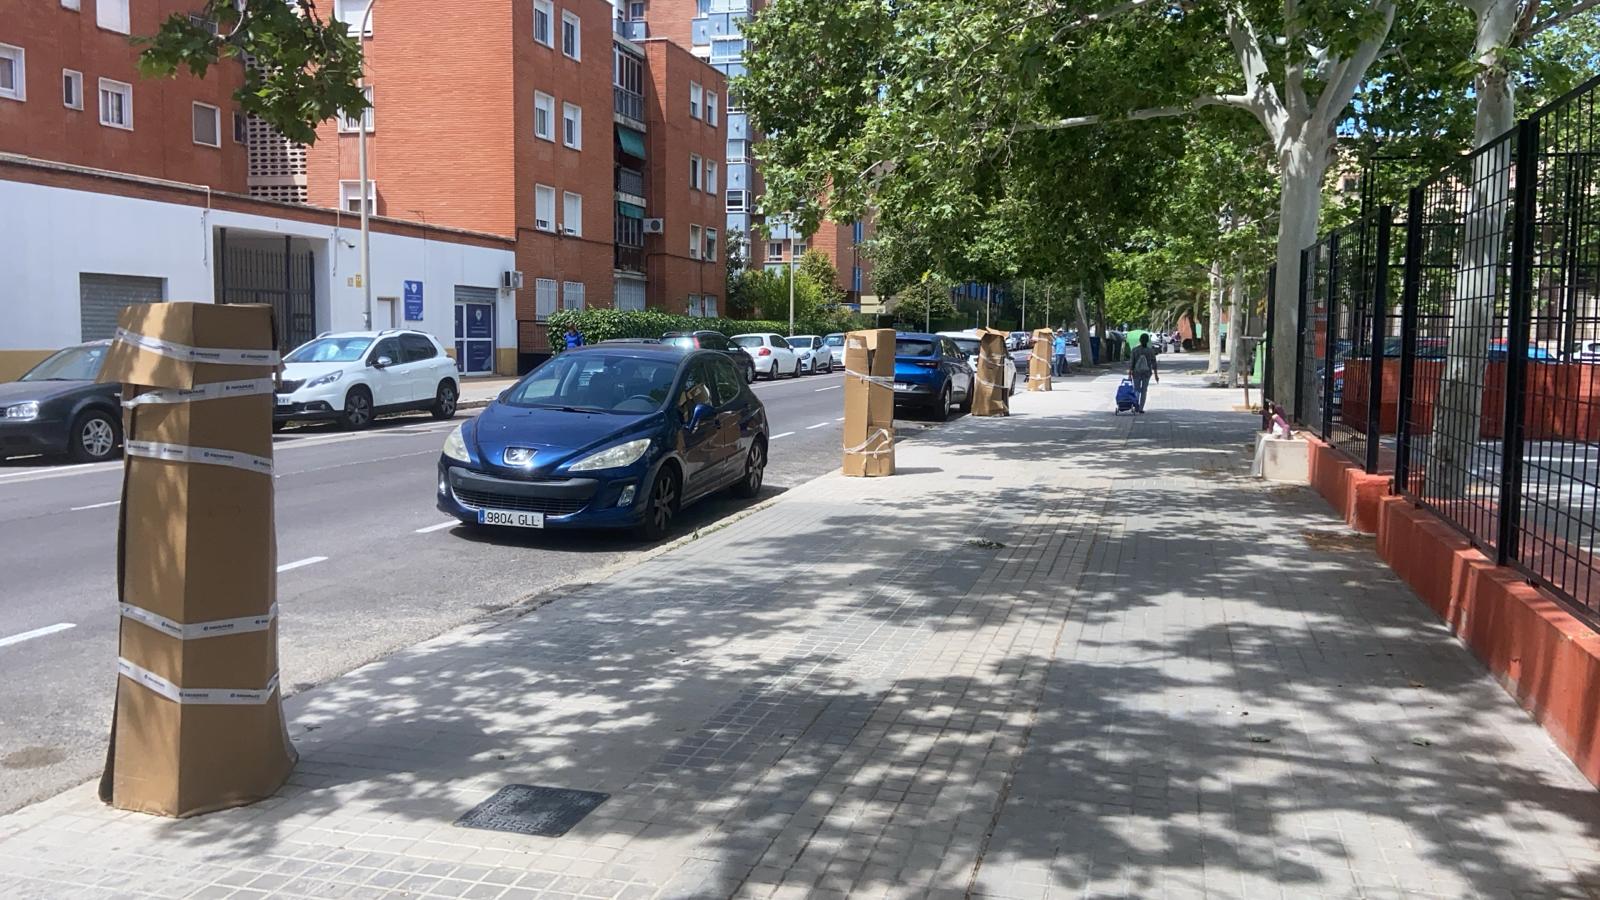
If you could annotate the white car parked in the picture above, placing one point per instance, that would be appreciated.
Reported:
(967, 341)
(771, 353)
(354, 376)
(815, 354)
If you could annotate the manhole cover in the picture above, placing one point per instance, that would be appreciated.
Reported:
(531, 809)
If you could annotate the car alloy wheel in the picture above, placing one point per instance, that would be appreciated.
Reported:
(755, 468)
(96, 437)
(943, 410)
(444, 403)
(662, 505)
(357, 410)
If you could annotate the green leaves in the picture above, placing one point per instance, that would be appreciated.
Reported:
(299, 70)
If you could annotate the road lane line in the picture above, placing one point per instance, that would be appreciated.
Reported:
(840, 419)
(96, 505)
(439, 527)
(785, 434)
(831, 387)
(37, 632)
(301, 563)
(818, 425)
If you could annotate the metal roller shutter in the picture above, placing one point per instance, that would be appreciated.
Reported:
(102, 297)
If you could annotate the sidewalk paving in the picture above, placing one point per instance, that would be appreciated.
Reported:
(1062, 654)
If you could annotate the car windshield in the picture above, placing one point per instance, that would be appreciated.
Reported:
(71, 364)
(968, 346)
(333, 349)
(913, 347)
(597, 382)
(748, 340)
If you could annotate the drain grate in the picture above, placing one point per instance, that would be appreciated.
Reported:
(533, 810)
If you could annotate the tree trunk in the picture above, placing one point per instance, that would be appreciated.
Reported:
(1098, 286)
(1214, 320)
(1236, 323)
(1300, 207)
(1084, 356)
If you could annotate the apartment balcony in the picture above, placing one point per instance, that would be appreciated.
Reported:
(628, 103)
(630, 182)
(633, 31)
(628, 259)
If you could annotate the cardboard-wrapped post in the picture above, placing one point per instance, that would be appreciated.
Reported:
(1040, 361)
(869, 402)
(989, 396)
(198, 724)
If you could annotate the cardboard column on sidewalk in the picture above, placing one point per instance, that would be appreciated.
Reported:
(1040, 363)
(198, 723)
(869, 402)
(989, 394)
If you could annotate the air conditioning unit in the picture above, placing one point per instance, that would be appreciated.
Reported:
(511, 281)
(655, 226)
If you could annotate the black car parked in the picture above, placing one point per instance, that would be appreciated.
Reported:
(57, 408)
(714, 340)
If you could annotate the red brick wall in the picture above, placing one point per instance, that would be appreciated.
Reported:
(671, 136)
(161, 144)
(671, 20)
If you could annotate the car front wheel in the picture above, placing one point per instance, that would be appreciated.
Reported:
(444, 402)
(661, 505)
(94, 437)
(357, 409)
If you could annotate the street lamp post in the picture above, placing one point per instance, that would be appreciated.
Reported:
(366, 187)
(791, 276)
(1024, 324)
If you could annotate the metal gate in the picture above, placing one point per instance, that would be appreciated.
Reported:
(283, 277)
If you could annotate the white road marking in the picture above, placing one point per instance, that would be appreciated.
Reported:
(840, 419)
(818, 425)
(785, 434)
(831, 387)
(37, 632)
(439, 527)
(301, 563)
(96, 505)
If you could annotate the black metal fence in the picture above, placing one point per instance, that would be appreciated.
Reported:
(1461, 346)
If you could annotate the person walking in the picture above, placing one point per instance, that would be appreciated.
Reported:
(574, 339)
(1142, 368)
(1060, 347)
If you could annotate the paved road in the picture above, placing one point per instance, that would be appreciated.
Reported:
(368, 566)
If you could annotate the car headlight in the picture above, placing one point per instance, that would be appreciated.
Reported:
(329, 378)
(455, 446)
(23, 412)
(612, 458)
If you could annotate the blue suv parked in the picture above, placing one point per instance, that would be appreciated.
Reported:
(931, 374)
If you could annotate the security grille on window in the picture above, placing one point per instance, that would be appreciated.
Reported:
(116, 103)
(351, 124)
(12, 76)
(543, 19)
(571, 42)
(572, 295)
(711, 245)
(71, 89)
(112, 15)
(572, 214)
(355, 16)
(709, 307)
(695, 169)
(544, 298)
(711, 109)
(695, 99)
(736, 201)
(350, 196)
(544, 208)
(207, 125)
(694, 241)
(711, 177)
(572, 126)
(544, 116)
(630, 294)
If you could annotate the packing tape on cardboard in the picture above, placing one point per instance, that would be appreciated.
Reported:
(187, 353)
(197, 696)
(193, 630)
(207, 455)
(887, 380)
(214, 391)
(861, 448)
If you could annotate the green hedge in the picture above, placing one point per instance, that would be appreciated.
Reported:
(598, 325)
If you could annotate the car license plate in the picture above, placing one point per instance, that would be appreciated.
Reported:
(510, 517)
(901, 386)
(285, 401)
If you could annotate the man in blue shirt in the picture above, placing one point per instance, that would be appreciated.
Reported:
(1061, 353)
(574, 339)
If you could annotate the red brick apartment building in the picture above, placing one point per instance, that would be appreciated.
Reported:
(540, 127)
(70, 93)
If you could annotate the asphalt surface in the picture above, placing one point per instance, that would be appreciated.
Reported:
(367, 566)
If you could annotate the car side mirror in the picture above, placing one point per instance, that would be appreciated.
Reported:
(503, 395)
(383, 362)
(702, 414)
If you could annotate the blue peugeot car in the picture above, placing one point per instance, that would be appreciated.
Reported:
(931, 373)
(608, 436)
